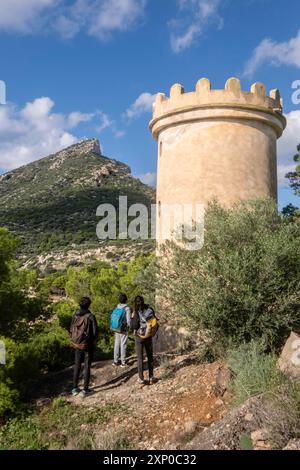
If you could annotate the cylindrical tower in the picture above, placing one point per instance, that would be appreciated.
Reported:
(216, 144)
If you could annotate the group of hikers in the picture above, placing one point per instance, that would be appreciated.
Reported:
(84, 334)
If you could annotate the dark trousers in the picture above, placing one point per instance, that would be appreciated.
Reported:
(80, 357)
(141, 346)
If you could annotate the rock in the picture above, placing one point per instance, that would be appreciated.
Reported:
(225, 434)
(257, 435)
(293, 444)
(219, 402)
(289, 361)
(208, 416)
(223, 378)
(42, 402)
(260, 440)
(248, 417)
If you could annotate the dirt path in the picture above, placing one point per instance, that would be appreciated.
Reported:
(165, 415)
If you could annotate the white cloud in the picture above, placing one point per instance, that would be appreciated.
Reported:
(114, 15)
(76, 118)
(186, 30)
(66, 27)
(35, 131)
(107, 123)
(143, 104)
(287, 146)
(98, 18)
(148, 178)
(276, 53)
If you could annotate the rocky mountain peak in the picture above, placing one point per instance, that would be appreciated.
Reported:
(85, 146)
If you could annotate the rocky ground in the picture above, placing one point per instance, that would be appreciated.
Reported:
(189, 407)
(187, 398)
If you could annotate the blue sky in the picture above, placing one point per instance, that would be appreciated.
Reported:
(90, 68)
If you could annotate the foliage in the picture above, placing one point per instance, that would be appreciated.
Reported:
(9, 399)
(36, 334)
(51, 348)
(246, 442)
(283, 416)
(64, 311)
(58, 426)
(51, 203)
(104, 283)
(15, 303)
(8, 245)
(294, 176)
(20, 365)
(245, 281)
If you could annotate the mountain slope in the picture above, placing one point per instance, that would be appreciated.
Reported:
(51, 203)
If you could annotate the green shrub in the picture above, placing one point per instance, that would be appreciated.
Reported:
(21, 365)
(283, 415)
(9, 400)
(246, 442)
(51, 348)
(64, 311)
(245, 281)
(254, 372)
(58, 426)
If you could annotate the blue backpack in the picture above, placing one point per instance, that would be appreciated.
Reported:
(118, 320)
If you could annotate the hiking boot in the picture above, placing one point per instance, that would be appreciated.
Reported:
(123, 364)
(141, 382)
(85, 392)
(75, 391)
(115, 364)
(152, 380)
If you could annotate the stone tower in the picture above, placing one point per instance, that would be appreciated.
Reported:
(216, 144)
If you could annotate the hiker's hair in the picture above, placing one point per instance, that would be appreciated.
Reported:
(85, 302)
(139, 303)
(122, 298)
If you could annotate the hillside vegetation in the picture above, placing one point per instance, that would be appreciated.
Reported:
(238, 298)
(51, 203)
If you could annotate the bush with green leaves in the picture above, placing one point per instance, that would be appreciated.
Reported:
(283, 416)
(36, 333)
(51, 348)
(254, 371)
(245, 281)
(103, 284)
(60, 425)
(64, 311)
(20, 365)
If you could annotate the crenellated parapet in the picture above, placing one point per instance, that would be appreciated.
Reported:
(230, 98)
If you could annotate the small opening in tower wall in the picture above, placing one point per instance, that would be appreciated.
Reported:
(159, 208)
(160, 148)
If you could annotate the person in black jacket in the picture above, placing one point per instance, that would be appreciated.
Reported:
(141, 313)
(84, 329)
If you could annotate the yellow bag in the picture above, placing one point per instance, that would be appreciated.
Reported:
(150, 330)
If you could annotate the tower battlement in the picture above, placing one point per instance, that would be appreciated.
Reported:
(231, 97)
(216, 144)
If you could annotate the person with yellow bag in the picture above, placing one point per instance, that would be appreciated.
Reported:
(145, 326)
